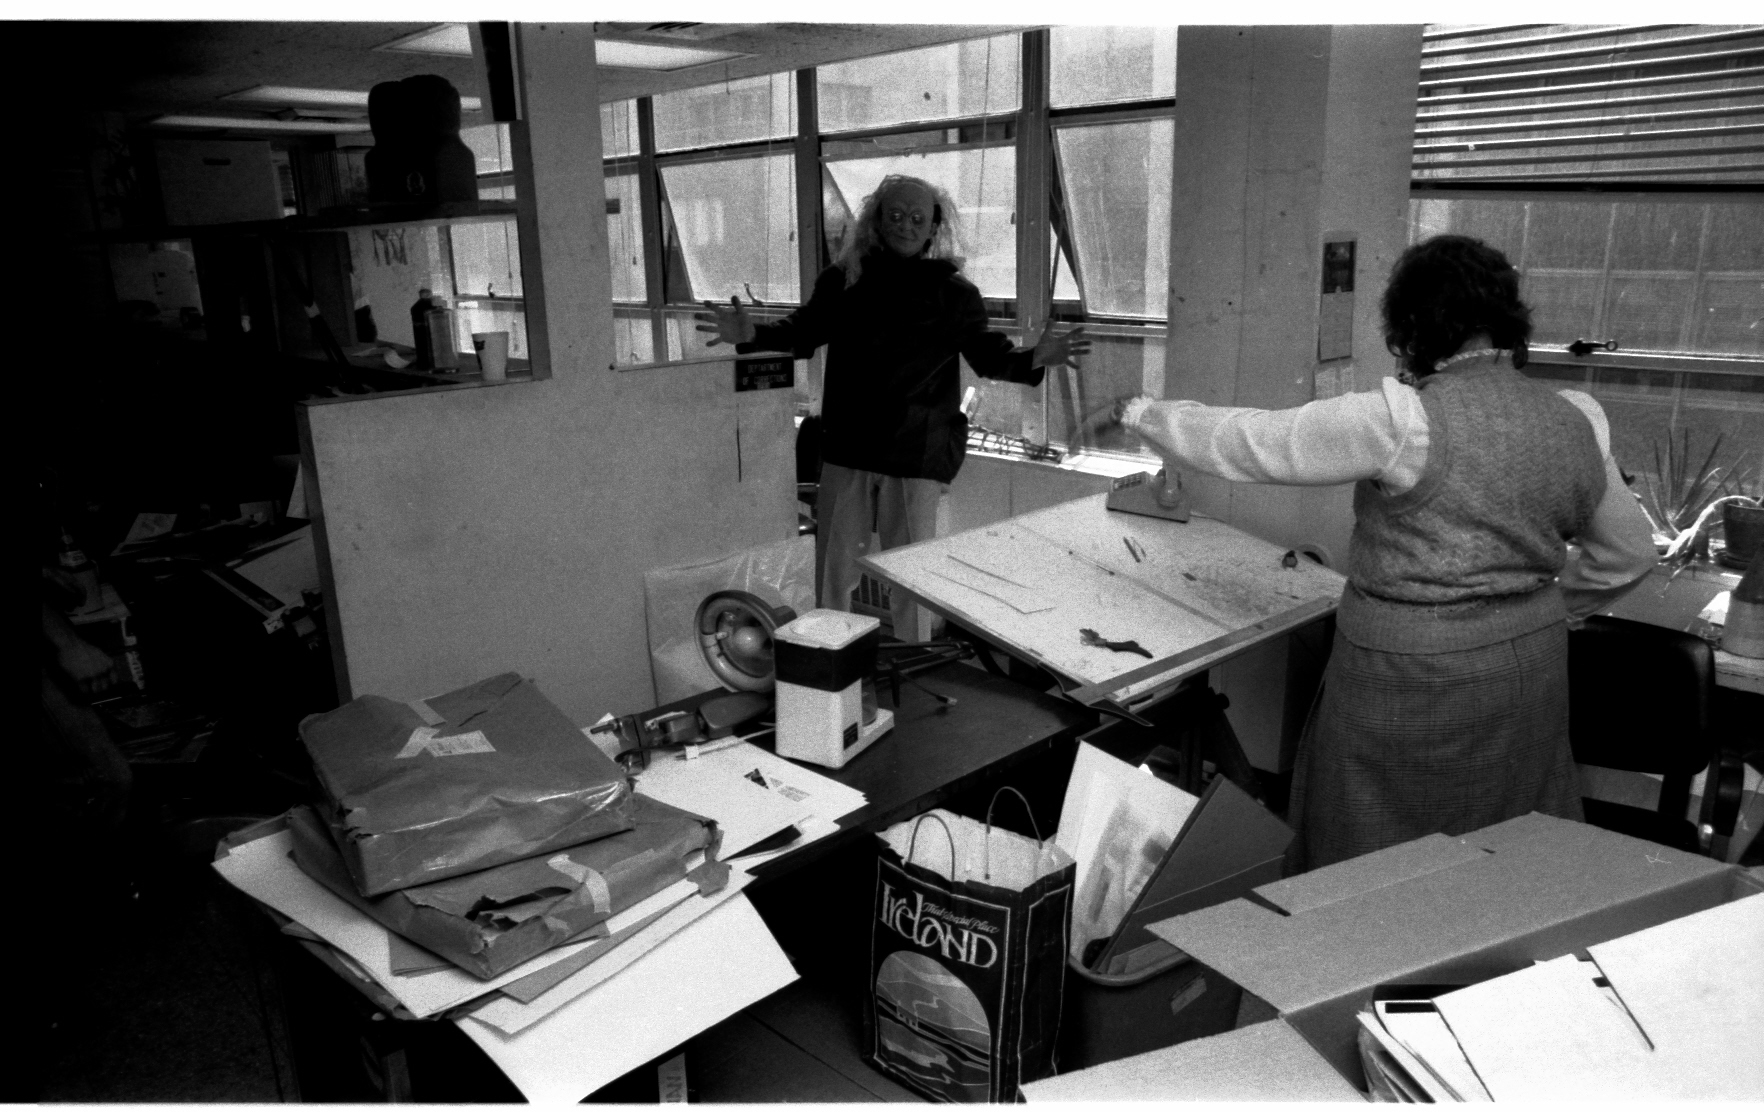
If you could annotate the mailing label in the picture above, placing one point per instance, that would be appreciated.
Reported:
(418, 743)
(455, 744)
(425, 739)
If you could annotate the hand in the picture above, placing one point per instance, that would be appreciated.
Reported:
(1111, 414)
(1053, 349)
(88, 666)
(730, 324)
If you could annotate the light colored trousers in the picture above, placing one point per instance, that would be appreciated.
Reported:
(902, 511)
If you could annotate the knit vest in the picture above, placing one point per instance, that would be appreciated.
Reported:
(1463, 558)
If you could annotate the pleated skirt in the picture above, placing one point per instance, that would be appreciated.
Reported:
(1401, 745)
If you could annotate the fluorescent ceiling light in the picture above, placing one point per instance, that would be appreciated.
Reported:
(294, 96)
(451, 39)
(253, 123)
(619, 54)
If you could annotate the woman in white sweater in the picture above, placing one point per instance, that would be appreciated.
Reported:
(1444, 707)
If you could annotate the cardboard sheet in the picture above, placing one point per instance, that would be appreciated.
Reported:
(1264, 1062)
(700, 976)
(512, 1015)
(1680, 1019)
(1696, 987)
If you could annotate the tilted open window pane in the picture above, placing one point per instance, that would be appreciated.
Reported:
(983, 183)
(633, 337)
(1079, 399)
(486, 259)
(736, 223)
(1107, 65)
(1665, 276)
(618, 129)
(624, 238)
(727, 112)
(947, 82)
(1117, 189)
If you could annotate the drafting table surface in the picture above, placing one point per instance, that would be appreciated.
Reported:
(1205, 589)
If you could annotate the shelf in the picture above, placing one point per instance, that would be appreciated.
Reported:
(330, 220)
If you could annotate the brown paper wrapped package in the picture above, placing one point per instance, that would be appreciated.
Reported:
(490, 921)
(489, 773)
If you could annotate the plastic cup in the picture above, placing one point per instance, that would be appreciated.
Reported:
(492, 349)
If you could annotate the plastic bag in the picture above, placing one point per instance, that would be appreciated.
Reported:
(781, 574)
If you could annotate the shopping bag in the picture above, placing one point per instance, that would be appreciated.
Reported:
(967, 957)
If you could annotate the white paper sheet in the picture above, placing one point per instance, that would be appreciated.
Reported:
(700, 976)
(263, 870)
(744, 811)
(1548, 1033)
(1111, 814)
(809, 792)
(511, 1017)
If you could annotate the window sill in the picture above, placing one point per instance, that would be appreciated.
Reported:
(1638, 361)
(1083, 463)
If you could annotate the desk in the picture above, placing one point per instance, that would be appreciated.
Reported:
(1677, 601)
(935, 753)
(933, 756)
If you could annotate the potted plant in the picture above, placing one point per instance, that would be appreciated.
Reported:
(1742, 524)
(1682, 498)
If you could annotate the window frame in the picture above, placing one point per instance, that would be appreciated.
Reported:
(1042, 232)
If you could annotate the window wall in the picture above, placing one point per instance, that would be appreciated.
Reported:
(1618, 168)
(705, 193)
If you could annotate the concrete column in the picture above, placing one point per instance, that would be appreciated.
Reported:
(1283, 134)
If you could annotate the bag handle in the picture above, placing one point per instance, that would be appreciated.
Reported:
(913, 842)
(1032, 824)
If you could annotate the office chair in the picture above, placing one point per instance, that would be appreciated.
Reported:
(808, 473)
(1639, 700)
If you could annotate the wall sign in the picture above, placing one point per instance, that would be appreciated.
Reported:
(1335, 309)
(774, 372)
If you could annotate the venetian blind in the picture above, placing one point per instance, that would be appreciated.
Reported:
(1658, 104)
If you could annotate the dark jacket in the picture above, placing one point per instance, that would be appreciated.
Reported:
(892, 397)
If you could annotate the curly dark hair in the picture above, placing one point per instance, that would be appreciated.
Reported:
(1447, 289)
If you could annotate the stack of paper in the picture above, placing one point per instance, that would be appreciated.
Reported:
(1411, 1056)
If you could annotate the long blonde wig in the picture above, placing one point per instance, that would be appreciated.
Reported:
(865, 234)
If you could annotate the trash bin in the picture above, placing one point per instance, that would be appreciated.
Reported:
(1110, 1016)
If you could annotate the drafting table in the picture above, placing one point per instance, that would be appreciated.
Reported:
(1192, 594)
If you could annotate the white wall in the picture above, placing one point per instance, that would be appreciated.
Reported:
(508, 528)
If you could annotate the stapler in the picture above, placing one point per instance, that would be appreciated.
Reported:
(1159, 495)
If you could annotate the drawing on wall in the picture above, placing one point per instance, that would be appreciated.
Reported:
(389, 247)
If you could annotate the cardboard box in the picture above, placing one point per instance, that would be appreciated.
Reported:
(1265, 1061)
(459, 782)
(1309, 950)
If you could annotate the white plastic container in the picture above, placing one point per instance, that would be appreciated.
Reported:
(825, 661)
